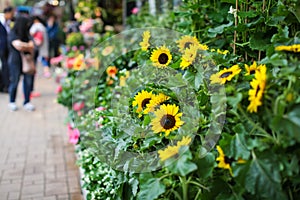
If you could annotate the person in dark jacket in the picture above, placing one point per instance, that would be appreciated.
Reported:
(4, 30)
(19, 41)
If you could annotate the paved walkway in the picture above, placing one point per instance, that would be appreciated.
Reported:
(36, 160)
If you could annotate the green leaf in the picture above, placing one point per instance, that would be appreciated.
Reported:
(249, 14)
(206, 165)
(275, 60)
(259, 41)
(182, 165)
(235, 100)
(289, 123)
(236, 145)
(147, 120)
(212, 32)
(198, 80)
(260, 176)
(275, 20)
(151, 189)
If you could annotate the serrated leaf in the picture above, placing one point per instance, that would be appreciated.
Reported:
(289, 123)
(182, 165)
(151, 189)
(206, 165)
(235, 100)
(259, 41)
(134, 185)
(260, 176)
(212, 32)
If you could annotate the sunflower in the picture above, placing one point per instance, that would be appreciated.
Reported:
(141, 100)
(222, 52)
(258, 86)
(166, 119)
(189, 56)
(224, 161)
(251, 69)
(186, 41)
(161, 57)
(145, 43)
(156, 101)
(225, 75)
(171, 151)
(295, 48)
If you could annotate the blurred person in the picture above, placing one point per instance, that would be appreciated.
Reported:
(19, 41)
(53, 30)
(39, 34)
(5, 26)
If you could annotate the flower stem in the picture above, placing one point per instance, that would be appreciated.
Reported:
(184, 185)
(248, 119)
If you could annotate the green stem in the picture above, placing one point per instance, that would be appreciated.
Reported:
(164, 176)
(199, 185)
(265, 134)
(184, 185)
(176, 194)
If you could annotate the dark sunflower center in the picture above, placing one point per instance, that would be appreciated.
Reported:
(163, 58)
(252, 71)
(257, 90)
(225, 75)
(168, 121)
(228, 160)
(145, 102)
(187, 44)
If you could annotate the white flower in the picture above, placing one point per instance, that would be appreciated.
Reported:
(233, 11)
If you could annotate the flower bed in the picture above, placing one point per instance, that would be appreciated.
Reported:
(164, 115)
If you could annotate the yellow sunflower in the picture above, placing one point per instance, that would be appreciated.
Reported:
(185, 41)
(161, 57)
(171, 151)
(294, 47)
(141, 100)
(224, 161)
(225, 75)
(145, 43)
(166, 119)
(189, 56)
(258, 86)
(251, 69)
(222, 52)
(155, 102)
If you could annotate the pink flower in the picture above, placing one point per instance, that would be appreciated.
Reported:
(135, 10)
(74, 48)
(81, 47)
(58, 89)
(70, 63)
(78, 106)
(101, 108)
(56, 60)
(74, 136)
(70, 129)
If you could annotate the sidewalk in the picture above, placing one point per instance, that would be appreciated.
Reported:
(36, 160)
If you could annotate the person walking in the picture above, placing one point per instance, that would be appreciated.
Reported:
(39, 34)
(53, 30)
(5, 26)
(19, 41)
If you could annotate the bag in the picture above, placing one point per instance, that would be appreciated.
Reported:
(38, 38)
(28, 65)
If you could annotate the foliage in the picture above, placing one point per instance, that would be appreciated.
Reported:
(255, 83)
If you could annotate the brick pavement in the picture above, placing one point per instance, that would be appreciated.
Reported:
(36, 160)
